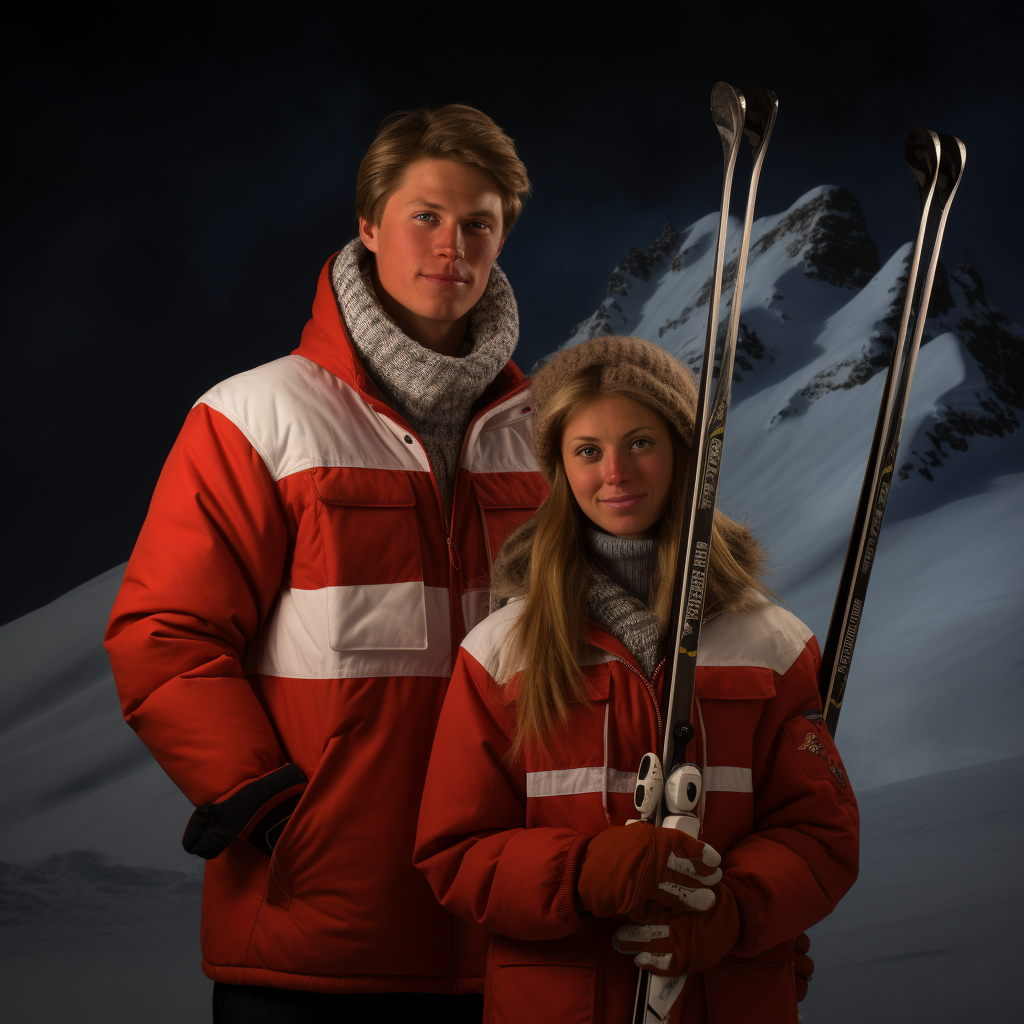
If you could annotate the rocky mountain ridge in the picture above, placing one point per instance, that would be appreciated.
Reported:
(822, 314)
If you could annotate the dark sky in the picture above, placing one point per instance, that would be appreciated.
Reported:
(178, 184)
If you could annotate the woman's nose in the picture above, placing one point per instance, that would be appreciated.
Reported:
(614, 469)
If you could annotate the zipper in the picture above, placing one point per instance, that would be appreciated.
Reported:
(454, 558)
(650, 688)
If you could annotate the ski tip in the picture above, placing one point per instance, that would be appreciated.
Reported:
(921, 149)
(762, 108)
(951, 162)
(728, 108)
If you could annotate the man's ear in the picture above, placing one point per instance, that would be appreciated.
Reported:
(370, 233)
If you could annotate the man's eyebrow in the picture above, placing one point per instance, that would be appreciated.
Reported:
(439, 206)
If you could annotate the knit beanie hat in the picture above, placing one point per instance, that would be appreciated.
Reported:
(614, 361)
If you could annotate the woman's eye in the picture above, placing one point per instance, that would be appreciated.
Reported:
(642, 442)
(587, 451)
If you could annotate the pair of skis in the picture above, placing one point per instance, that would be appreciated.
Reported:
(667, 792)
(937, 164)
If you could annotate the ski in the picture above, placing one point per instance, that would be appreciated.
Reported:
(674, 801)
(937, 164)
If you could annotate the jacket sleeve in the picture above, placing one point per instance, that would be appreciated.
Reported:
(200, 582)
(803, 854)
(472, 845)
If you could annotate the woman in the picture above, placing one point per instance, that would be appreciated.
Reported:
(556, 697)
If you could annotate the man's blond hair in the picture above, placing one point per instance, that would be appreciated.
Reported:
(452, 132)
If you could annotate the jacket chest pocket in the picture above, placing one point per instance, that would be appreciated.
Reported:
(505, 505)
(373, 566)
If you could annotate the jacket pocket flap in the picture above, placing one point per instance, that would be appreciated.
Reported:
(369, 488)
(729, 682)
(509, 490)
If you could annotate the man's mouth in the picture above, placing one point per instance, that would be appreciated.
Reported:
(446, 279)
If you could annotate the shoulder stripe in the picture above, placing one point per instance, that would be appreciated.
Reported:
(764, 637)
(501, 441)
(299, 416)
(485, 641)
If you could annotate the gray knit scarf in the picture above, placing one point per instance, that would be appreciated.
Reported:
(434, 392)
(617, 596)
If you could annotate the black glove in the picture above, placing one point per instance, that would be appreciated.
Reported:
(803, 965)
(257, 812)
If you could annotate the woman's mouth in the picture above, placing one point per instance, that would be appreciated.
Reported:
(623, 501)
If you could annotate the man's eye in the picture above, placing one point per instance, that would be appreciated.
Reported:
(479, 224)
(424, 216)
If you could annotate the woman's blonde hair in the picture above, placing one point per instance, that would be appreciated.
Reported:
(544, 562)
(452, 132)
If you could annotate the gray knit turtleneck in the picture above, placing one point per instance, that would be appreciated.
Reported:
(434, 392)
(617, 596)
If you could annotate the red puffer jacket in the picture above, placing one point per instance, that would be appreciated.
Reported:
(296, 596)
(501, 845)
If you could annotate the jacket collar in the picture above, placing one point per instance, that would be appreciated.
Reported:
(600, 638)
(326, 342)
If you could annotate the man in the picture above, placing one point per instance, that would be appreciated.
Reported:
(318, 544)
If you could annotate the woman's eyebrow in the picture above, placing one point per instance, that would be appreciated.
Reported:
(586, 437)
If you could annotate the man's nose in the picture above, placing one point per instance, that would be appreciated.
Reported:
(450, 243)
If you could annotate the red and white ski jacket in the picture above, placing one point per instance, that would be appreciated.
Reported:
(501, 845)
(296, 596)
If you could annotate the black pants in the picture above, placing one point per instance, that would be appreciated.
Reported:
(254, 1004)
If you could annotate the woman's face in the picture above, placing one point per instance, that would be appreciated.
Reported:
(617, 455)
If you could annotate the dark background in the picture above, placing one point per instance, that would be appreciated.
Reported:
(176, 184)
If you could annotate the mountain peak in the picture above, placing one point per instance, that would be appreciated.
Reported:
(639, 265)
(827, 231)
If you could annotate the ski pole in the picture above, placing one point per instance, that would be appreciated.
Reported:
(670, 801)
(937, 164)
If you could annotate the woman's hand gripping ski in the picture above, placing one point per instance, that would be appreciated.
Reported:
(670, 886)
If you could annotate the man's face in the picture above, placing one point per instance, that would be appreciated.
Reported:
(440, 232)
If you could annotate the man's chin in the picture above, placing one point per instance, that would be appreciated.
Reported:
(448, 312)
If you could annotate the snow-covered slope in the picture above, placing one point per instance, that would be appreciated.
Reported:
(929, 932)
(934, 654)
(75, 776)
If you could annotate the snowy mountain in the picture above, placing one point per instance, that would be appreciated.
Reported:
(820, 315)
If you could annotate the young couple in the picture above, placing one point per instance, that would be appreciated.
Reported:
(403, 801)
